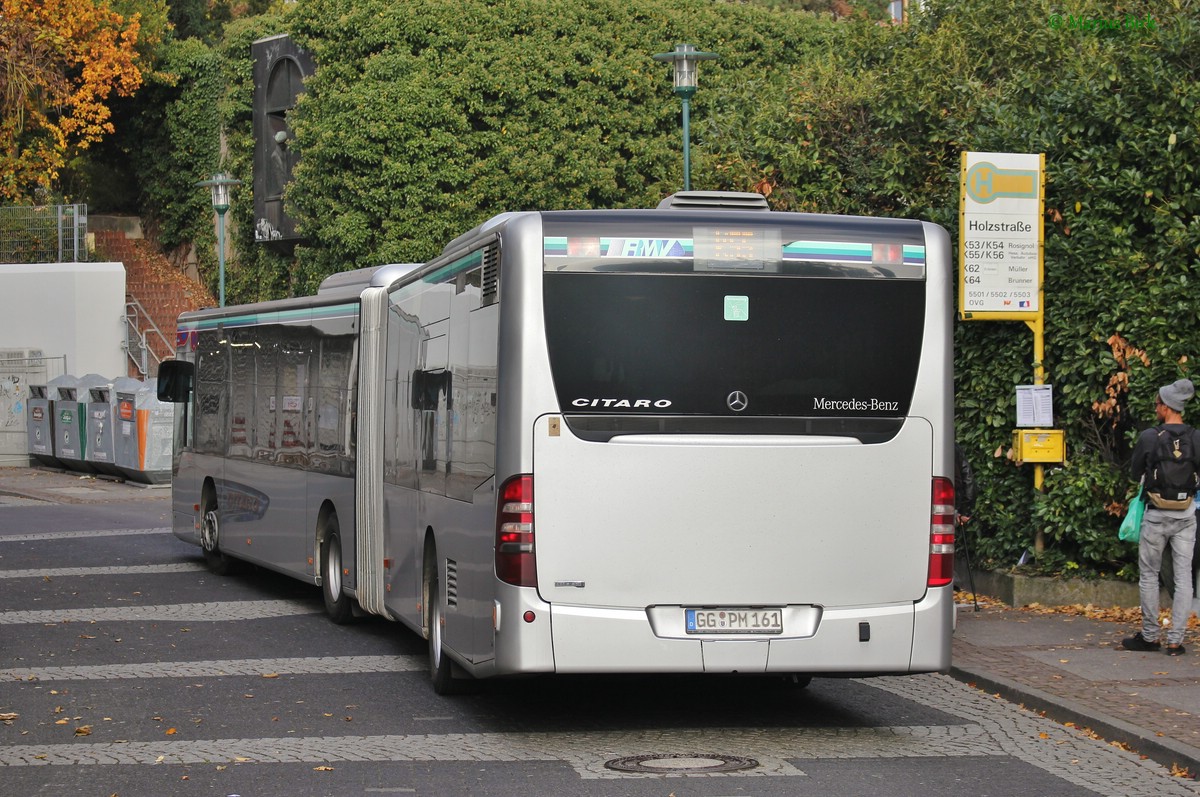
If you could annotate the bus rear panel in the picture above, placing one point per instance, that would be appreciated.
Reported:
(732, 426)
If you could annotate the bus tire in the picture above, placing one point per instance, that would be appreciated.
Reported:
(338, 605)
(442, 671)
(210, 537)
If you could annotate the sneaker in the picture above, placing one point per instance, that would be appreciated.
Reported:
(1175, 650)
(1139, 643)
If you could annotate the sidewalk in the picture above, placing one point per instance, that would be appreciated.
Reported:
(1068, 667)
(22, 486)
(1073, 670)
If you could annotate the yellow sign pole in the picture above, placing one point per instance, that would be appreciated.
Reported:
(1039, 378)
(1038, 325)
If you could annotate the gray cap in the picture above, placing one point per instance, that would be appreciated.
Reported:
(1176, 394)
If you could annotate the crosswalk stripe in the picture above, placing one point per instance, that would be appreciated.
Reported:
(309, 665)
(129, 570)
(71, 535)
(178, 612)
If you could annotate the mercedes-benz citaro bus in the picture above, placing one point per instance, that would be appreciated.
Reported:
(704, 438)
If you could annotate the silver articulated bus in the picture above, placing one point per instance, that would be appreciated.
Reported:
(694, 439)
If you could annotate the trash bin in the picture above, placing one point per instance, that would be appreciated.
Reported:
(39, 427)
(101, 419)
(144, 433)
(70, 419)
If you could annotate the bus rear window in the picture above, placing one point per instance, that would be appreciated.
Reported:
(718, 344)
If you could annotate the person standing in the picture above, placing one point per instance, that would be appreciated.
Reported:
(1167, 459)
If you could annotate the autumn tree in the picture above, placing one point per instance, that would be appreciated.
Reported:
(60, 62)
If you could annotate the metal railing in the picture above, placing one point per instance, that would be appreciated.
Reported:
(43, 234)
(139, 324)
(31, 366)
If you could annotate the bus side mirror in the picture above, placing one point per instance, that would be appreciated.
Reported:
(175, 381)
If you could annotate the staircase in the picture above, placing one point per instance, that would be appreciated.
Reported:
(155, 294)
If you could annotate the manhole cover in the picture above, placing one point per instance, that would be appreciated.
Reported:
(681, 762)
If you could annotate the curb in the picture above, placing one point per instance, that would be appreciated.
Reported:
(1160, 749)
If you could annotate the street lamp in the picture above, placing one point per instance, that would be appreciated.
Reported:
(220, 185)
(685, 59)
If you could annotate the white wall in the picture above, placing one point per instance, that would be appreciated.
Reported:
(71, 309)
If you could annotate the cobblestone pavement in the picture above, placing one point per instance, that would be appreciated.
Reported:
(1080, 696)
(993, 728)
(1071, 753)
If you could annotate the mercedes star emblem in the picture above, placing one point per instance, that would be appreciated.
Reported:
(737, 401)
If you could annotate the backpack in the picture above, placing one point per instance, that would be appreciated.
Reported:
(1171, 479)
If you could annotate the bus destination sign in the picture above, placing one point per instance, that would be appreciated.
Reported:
(1000, 235)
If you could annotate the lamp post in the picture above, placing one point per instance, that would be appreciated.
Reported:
(685, 58)
(220, 185)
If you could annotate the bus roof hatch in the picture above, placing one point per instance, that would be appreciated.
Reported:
(709, 200)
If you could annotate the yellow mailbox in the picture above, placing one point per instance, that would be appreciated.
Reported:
(1039, 445)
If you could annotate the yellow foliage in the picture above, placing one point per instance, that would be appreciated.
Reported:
(60, 62)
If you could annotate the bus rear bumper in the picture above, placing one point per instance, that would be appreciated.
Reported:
(863, 640)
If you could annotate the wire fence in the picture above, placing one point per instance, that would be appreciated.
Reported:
(44, 234)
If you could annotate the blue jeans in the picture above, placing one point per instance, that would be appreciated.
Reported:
(1161, 530)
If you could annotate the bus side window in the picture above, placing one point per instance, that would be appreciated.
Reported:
(431, 397)
(212, 355)
(469, 279)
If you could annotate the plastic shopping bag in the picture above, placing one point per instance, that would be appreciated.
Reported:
(1131, 526)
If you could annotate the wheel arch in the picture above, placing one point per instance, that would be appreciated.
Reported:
(207, 489)
(327, 511)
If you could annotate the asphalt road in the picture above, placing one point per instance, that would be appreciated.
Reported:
(126, 668)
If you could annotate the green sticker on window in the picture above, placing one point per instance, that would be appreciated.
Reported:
(737, 308)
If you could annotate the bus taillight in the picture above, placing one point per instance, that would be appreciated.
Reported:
(941, 533)
(515, 562)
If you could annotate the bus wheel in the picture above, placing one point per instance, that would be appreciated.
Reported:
(338, 605)
(210, 536)
(441, 668)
